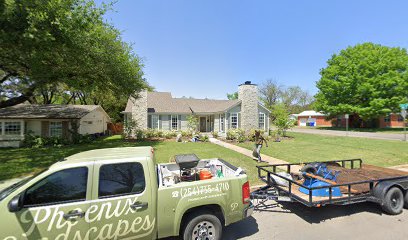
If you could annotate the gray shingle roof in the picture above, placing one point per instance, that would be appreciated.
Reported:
(163, 102)
(51, 111)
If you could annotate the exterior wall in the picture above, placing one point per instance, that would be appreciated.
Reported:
(139, 110)
(34, 126)
(248, 94)
(393, 123)
(183, 122)
(94, 122)
(216, 122)
(320, 121)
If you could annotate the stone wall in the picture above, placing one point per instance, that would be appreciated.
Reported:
(248, 94)
(139, 110)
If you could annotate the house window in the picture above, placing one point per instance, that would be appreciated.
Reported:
(174, 122)
(234, 120)
(261, 121)
(222, 123)
(12, 128)
(387, 118)
(55, 129)
(155, 122)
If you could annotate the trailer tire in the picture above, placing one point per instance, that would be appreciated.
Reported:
(203, 224)
(406, 199)
(393, 201)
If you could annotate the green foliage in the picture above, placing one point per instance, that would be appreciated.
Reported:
(232, 96)
(203, 138)
(237, 134)
(192, 123)
(51, 47)
(368, 79)
(251, 134)
(214, 134)
(33, 141)
(129, 128)
(282, 120)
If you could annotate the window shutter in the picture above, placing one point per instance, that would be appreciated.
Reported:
(179, 122)
(239, 120)
(160, 122)
(169, 122)
(228, 121)
(65, 129)
(149, 121)
(45, 128)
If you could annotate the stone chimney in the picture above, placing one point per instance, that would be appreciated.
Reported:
(248, 94)
(139, 110)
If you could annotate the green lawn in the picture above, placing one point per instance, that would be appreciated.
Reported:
(311, 147)
(23, 161)
(374, 130)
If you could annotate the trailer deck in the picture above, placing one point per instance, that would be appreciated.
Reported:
(356, 182)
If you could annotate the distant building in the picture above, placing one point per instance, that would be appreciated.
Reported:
(49, 120)
(313, 119)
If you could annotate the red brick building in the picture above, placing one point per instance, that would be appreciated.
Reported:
(313, 118)
(391, 121)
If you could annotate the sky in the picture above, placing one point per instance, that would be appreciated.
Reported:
(206, 48)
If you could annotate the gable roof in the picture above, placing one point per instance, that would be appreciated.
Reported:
(50, 111)
(310, 113)
(163, 102)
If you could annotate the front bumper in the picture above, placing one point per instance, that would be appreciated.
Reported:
(249, 210)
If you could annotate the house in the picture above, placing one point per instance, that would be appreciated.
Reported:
(49, 121)
(159, 110)
(313, 118)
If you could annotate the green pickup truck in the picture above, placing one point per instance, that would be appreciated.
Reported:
(120, 193)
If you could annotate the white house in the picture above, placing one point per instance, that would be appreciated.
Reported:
(49, 121)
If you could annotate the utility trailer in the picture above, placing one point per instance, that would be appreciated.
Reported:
(357, 183)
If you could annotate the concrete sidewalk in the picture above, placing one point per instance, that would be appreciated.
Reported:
(371, 135)
(246, 152)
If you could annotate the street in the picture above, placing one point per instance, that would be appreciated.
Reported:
(372, 135)
(295, 221)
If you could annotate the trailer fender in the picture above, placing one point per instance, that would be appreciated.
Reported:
(382, 188)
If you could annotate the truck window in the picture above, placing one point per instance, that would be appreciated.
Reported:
(121, 179)
(63, 186)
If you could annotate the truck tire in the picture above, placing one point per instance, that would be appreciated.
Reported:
(406, 199)
(203, 226)
(393, 201)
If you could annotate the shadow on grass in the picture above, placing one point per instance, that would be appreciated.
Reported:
(18, 162)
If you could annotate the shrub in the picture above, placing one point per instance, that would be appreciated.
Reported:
(140, 135)
(231, 134)
(187, 133)
(251, 135)
(237, 134)
(214, 134)
(203, 138)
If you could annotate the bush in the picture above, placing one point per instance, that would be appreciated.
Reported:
(214, 134)
(237, 134)
(140, 135)
(203, 138)
(251, 135)
(33, 141)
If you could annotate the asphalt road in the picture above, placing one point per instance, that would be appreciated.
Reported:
(295, 221)
(372, 135)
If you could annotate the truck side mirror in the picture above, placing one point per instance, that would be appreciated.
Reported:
(15, 204)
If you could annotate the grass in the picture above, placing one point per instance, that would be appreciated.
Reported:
(24, 161)
(311, 147)
(374, 130)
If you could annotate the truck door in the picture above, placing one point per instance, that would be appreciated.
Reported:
(121, 208)
(55, 206)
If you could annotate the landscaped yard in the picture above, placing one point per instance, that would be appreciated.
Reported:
(311, 147)
(23, 161)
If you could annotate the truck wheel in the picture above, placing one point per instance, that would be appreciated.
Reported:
(203, 227)
(393, 201)
(406, 200)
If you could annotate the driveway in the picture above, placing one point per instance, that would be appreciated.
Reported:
(295, 221)
(384, 136)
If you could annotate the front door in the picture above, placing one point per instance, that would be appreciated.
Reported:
(123, 207)
(54, 207)
(203, 124)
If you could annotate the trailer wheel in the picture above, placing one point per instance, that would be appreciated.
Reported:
(406, 200)
(203, 227)
(393, 201)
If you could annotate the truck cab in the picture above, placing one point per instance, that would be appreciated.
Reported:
(120, 193)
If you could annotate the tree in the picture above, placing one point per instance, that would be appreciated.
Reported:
(232, 96)
(294, 98)
(270, 92)
(46, 44)
(368, 79)
(192, 122)
(282, 119)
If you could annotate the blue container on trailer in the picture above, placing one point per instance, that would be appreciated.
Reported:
(323, 192)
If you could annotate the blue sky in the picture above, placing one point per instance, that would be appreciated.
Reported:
(205, 48)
